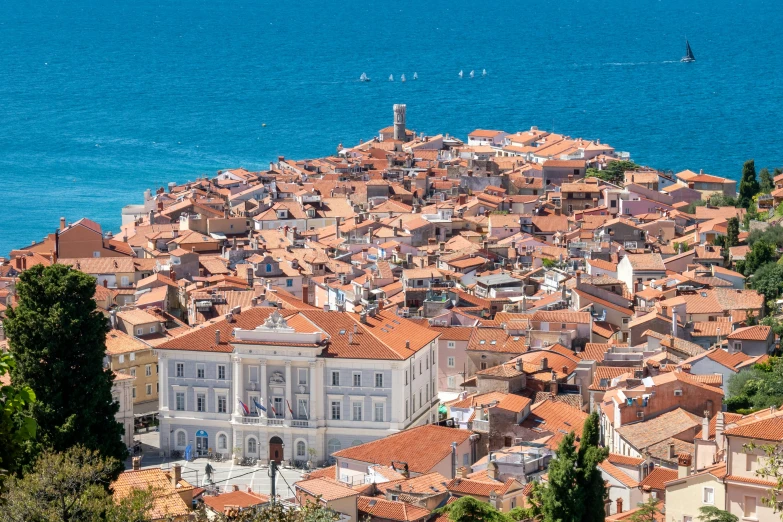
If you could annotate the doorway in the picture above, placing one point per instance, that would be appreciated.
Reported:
(276, 449)
(202, 443)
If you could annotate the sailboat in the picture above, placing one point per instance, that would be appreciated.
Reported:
(364, 78)
(688, 53)
(402, 78)
(483, 72)
(415, 76)
(472, 74)
(391, 77)
(460, 74)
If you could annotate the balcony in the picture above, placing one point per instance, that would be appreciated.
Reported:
(297, 423)
(481, 425)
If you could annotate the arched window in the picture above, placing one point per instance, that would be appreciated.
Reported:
(333, 446)
(301, 449)
(222, 442)
(252, 446)
(357, 443)
(269, 267)
(181, 438)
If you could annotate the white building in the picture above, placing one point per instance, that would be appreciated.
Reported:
(328, 381)
(122, 392)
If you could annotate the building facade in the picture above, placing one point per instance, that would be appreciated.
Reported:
(296, 387)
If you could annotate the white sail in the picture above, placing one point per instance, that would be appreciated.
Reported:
(402, 78)
(415, 76)
(391, 77)
(363, 77)
(484, 72)
(460, 74)
(472, 74)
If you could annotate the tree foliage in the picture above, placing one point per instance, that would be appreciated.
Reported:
(768, 280)
(17, 426)
(59, 341)
(756, 388)
(732, 232)
(749, 185)
(765, 181)
(468, 509)
(647, 512)
(590, 454)
(562, 499)
(773, 235)
(761, 253)
(713, 514)
(310, 512)
(614, 172)
(71, 487)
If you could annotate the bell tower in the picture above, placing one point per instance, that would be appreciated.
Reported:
(399, 122)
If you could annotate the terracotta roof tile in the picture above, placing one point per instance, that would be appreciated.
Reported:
(751, 333)
(765, 429)
(658, 478)
(391, 510)
(325, 488)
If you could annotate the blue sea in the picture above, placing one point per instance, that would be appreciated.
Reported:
(102, 99)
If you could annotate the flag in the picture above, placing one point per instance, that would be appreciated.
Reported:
(307, 413)
(271, 405)
(289, 408)
(244, 408)
(259, 406)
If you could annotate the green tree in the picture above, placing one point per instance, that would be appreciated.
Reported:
(71, 487)
(768, 280)
(563, 498)
(756, 388)
(765, 181)
(749, 186)
(713, 514)
(732, 232)
(59, 341)
(761, 253)
(17, 426)
(614, 172)
(650, 511)
(310, 512)
(589, 456)
(468, 509)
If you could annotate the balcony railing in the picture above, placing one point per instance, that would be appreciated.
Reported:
(271, 421)
(481, 425)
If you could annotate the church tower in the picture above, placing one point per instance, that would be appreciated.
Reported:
(399, 122)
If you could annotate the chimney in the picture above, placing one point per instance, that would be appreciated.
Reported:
(62, 223)
(518, 365)
(578, 278)
(684, 465)
(674, 323)
(235, 487)
(463, 472)
(136, 463)
(619, 505)
(544, 363)
(553, 384)
(671, 450)
(250, 276)
(217, 337)
(492, 470)
(176, 475)
(557, 211)
(705, 428)
(337, 228)
(719, 430)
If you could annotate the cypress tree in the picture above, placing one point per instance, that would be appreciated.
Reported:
(589, 456)
(765, 181)
(749, 186)
(59, 341)
(732, 232)
(563, 498)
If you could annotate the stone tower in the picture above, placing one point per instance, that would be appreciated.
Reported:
(399, 122)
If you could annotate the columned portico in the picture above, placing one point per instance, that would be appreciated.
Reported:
(238, 387)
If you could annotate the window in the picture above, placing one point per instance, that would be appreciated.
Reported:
(289, 283)
(335, 378)
(750, 461)
(149, 389)
(181, 441)
(450, 362)
(709, 496)
(483, 365)
(302, 375)
(200, 371)
(687, 518)
(357, 411)
(252, 445)
(201, 402)
(134, 392)
(451, 344)
(613, 203)
(625, 320)
(268, 267)
(278, 403)
(221, 372)
(433, 358)
(302, 410)
(157, 387)
(301, 449)
(180, 401)
(139, 331)
(133, 372)
(96, 253)
(222, 404)
(406, 377)
(451, 382)
(750, 507)
(132, 356)
(180, 370)
(737, 347)
(465, 459)
(152, 329)
(378, 412)
(222, 442)
(335, 410)
(148, 370)
(421, 402)
(357, 380)
(122, 358)
(427, 363)
(333, 446)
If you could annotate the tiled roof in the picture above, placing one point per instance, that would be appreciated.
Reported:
(478, 488)
(241, 499)
(166, 500)
(136, 317)
(512, 402)
(646, 433)
(325, 488)
(118, 342)
(710, 328)
(422, 447)
(496, 340)
(752, 480)
(766, 429)
(453, 333)
(101, 265)
(555, 417)
(475, 400)
(379, 508)
(646, 262)
(618, 474)
(631, 513)
(429, 483)
(561, 316)
(658, 477)
(603, 376)
(624, 460)
(751, 333)
(328, 472)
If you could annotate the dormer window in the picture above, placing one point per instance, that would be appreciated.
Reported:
(269, 267)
